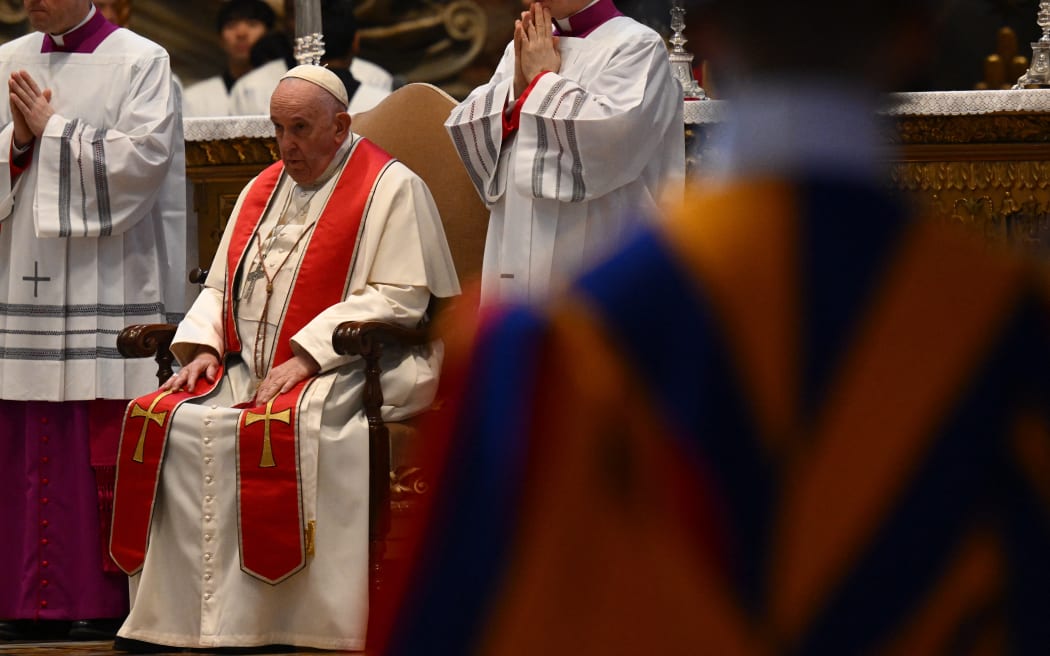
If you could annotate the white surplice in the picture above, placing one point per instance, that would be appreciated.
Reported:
(598, 140)
(191, 591)
(94, 232)
(209, 97)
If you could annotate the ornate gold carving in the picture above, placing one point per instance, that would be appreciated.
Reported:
(407, 483)
(971, 176)
(972, 129)
(232, 151)
(1004, 202)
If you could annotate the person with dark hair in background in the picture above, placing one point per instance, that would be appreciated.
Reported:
(240, 24)
(796, 416)
(93, 234)
(339, 27)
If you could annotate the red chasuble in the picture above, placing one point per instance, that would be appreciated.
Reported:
(269, 496)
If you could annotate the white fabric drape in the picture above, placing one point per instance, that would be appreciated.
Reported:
(94, 232)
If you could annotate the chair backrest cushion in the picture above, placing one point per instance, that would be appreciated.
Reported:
(409, 124)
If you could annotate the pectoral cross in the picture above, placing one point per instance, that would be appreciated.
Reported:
(284, 416)
(155, 417)
(254, 276)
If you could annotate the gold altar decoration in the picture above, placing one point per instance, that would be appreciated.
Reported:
(990, 172)
(218, 170)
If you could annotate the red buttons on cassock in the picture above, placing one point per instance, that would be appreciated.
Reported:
(43, 420)
(44, 563)
(43, 603)
(45, 523)
(44, 501)
(43, 583)
(45, 460)
(45, 439)
(43, 541)
(44, 481)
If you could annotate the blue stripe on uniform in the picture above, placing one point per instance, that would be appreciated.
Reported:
(660, 320)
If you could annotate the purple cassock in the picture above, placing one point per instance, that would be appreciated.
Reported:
(56, 479)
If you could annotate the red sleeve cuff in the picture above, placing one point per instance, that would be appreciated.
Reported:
(510, 123)
(24, 160)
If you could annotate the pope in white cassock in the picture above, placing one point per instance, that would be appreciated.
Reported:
(580, 125)
(257, 450)
(92, 239)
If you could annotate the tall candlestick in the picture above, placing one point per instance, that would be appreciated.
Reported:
(309, 41)
(682, 61)
(1038, 74)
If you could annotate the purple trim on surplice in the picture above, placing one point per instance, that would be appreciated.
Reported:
(584, 22)
(82, 40)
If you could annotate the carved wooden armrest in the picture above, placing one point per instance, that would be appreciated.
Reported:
(367, 338)
(145, 339)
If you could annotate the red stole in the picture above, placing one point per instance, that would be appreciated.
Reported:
(269, 497)
(329, 254)
(147, 422)
(269, 493)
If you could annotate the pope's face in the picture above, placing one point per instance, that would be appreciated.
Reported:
(307, 127)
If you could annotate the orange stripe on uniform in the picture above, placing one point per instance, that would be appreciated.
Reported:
(752, 278)
(960, 596)
(932, 322)
(1031, 446)
(598, 502)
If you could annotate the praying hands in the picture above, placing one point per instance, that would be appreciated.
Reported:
(535, 47)
(30, 108)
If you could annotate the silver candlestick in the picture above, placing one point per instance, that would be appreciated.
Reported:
(309, 41)
(681, 60)
(1038, 74)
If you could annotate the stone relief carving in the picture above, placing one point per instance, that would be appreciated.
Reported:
(981, 128)
(425, 42)
(1005, 202)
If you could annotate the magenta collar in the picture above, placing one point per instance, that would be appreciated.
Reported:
(84, 39)
(583, 23)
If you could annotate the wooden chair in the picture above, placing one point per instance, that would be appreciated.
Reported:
(409, 124)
